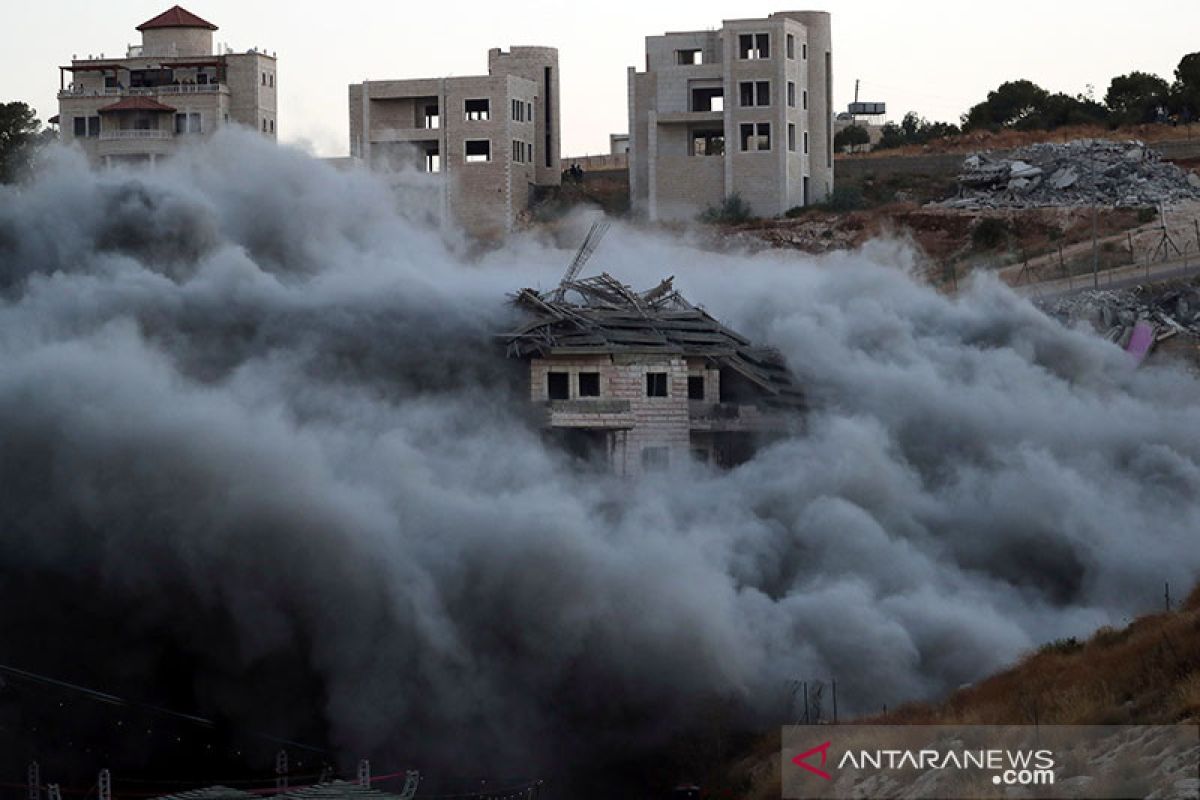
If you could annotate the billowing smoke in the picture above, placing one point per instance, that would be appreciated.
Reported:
(257, 434)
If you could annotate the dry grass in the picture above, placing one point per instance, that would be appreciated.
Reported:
(1008, 139)
(1146, 673)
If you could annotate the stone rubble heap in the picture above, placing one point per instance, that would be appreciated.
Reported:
(1076, 173)
(1171, 310)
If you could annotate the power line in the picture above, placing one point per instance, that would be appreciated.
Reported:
(110, 699)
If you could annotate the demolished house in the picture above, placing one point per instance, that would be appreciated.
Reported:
(1077, 173)
(638, 380)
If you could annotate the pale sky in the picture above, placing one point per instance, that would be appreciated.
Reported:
(937, 57)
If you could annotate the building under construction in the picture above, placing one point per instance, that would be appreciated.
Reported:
(638, 380)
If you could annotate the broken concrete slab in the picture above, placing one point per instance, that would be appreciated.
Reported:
(1081, 172)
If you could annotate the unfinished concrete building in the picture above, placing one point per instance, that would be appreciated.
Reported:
(168, 90)
(743, 110)
(637, 381)
(494, 137)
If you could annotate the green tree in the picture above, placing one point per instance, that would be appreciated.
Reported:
(1063, 109)
(914, 129)
(20, 131)
(1186, 91)
(1137, 97)
(850, 137)
(1010, 105)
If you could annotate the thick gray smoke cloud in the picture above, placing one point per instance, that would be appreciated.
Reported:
(246, 401)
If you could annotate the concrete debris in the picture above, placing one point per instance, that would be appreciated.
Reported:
(1122, 315)
(1076, 173)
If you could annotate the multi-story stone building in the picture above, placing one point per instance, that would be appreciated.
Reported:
(639, 381)
(743, 110)
(493, 136)
(167, 90)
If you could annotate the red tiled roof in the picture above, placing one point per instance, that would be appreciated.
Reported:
(176, 17)
(136, 103)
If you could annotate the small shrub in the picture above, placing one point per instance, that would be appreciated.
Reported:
(733, 210)
(989, 233)
(844, 198)
(1061, 647)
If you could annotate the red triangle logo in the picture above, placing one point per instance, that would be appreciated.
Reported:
(801, 760)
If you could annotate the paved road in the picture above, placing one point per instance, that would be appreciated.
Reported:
(1120, 278)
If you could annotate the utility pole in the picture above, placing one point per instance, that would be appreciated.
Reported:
(104, 785)
(1167, 595)
(33, 780)
(1095, 224)
(364, 774)
(281, 771)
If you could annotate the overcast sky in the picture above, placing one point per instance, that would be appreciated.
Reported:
(936, 57)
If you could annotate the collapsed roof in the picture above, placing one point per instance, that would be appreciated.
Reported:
(612, 318)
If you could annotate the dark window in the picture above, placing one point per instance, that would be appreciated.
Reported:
(478, 150)
(754, 46)
(791, 137)
(558, 385)
(656, 384)
(93, 126)
(695, 387)
(654, 458)
(589, 384)
(689, 56)
(791, 46)
(81, 126)
(804, 49)
(755, 93)
(478, 110)
(431, 117)
(708, 142)
(710, 99)
(756, 136)
(806, 99)
(791, 94)
(547, 83)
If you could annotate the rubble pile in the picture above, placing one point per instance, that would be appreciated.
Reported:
(1072, 174)
(1114, 313)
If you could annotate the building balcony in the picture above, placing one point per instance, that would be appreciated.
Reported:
(688, 117)
(704, 416)
(380, 135)
(122, 135)
(595, 414)
(146, 91)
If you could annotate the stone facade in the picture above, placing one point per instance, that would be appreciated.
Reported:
(634, 431)
(493, 137)
(743, 110)
(165, 92)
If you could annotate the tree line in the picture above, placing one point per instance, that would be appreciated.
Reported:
(1132, 99)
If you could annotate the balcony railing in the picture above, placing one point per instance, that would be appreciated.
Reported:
(172, 88)
(109, 136)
